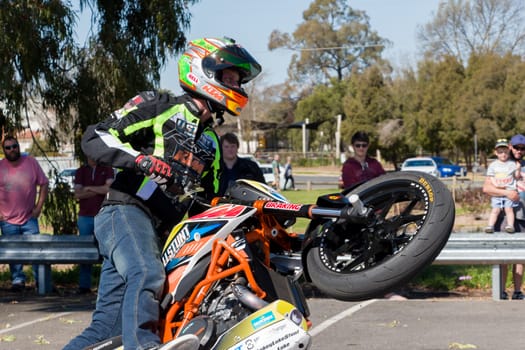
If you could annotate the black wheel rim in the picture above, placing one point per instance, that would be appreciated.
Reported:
(401, 208)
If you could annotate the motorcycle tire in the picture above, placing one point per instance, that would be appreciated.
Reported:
(415, 214)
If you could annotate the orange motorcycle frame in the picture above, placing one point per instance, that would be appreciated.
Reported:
(180, 313)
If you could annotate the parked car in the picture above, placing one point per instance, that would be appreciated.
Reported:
(437, 166)
(64, 176)
(447, 168)
(249, 156)
(267, 171)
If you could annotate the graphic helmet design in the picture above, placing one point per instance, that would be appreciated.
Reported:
(201, 67)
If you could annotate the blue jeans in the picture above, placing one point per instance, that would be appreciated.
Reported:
(131, 280)
(28, 228)
(86, 227)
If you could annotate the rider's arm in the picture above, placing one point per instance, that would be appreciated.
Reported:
(490, 189)
(113, 141)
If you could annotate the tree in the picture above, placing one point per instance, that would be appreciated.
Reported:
(36, 50)
(491, 100)
(368, 105)
(332, 40)
(44, 71)
(463, 28)
(133, 42)
(322, 106)
(43, 66)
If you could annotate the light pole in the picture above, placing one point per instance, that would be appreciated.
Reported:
(338, 138)
(306, 121)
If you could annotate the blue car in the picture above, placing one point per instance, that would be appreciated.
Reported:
(446, 168)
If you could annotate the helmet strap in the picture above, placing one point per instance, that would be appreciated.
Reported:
(219, 118)
(211, 106)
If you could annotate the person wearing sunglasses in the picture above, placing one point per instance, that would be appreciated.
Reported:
(23, 191)
(517, 151)
(360, 167)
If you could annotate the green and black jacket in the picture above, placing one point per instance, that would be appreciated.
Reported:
(165, 126)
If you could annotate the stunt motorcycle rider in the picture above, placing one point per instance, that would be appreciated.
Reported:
(164, 146)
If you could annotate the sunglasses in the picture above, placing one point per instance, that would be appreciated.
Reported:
(14, 146)
(361, 145)
(522, 148)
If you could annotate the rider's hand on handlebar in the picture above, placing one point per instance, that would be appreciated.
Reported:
(158, 170)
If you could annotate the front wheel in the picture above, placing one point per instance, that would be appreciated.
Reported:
(413, 217)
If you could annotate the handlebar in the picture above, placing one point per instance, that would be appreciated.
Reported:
(355, 212)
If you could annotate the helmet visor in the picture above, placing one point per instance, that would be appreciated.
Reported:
(232, 56)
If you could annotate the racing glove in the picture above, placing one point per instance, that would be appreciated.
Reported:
(156, 169)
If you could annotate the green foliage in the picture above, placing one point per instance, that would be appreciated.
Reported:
(471, 200)
(36, 42)
(67, 276)
(60, 210)
(451, 277)
(45, 71)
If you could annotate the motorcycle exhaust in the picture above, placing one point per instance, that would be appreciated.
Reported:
(246, 297)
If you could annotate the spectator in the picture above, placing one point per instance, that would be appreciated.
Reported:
(288, 175)
(276, 168)
(360, 167)
(164, 146)
(502, 174)
(517, 149)
(234, 167)
(92, 182)
(21, 178)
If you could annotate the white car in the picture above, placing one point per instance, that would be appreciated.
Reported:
(267, 171)
(249, 156)
(65, 176)
(423, 164)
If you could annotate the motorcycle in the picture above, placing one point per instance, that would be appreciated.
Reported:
(234, 271)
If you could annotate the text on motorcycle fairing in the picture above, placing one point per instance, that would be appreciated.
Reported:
(285, 206)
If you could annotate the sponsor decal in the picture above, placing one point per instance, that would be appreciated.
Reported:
(186, 235)
(282, 342)
(213, 92)
(133, 102)
(180, 238)
(283, 206)
(226, 211)
(263, 320)
(193, 78)
(428, 188)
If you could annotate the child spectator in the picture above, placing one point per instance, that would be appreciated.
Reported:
(502, 173)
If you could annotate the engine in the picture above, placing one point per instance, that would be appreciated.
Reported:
(229, 303)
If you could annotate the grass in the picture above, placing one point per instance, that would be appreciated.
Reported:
(454, 277)
(304, 197)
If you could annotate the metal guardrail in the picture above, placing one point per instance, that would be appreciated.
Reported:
(461, 249)
(45, 250)
(484, 249)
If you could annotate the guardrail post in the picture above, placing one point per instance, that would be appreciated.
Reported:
(308, 185)
(44, 279)
(496, 282)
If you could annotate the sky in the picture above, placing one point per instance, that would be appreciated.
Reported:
(251, 22)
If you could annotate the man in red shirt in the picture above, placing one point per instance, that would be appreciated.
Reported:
(91, 185)
(360, 167)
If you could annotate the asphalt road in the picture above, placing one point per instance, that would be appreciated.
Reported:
(29, 322)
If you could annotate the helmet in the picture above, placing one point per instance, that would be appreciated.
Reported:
(200, 72)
